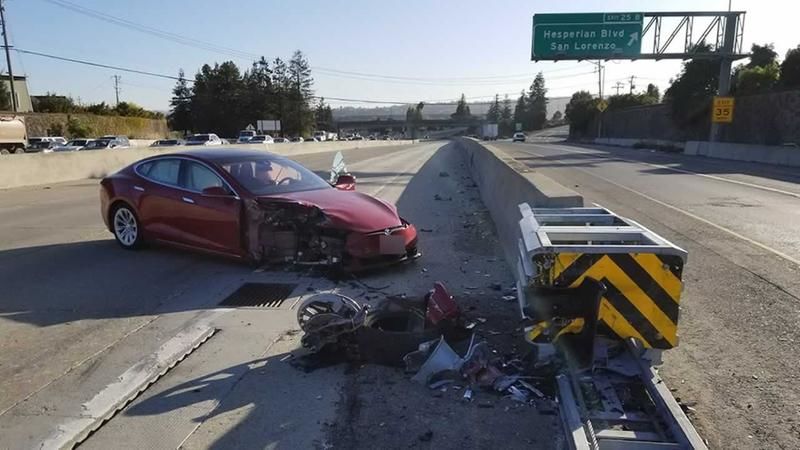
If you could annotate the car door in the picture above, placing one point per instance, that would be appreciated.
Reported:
(209, 221)
(160, 198)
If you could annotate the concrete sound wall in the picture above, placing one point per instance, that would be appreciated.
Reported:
(38, 168)
(504, 183)
(767, 154)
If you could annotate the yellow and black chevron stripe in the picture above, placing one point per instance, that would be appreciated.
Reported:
(642, 296)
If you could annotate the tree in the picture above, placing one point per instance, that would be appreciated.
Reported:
(462, 109)
(5, 97)
(536, 107)
(506, 125)
(622, 101)
(690, 94)
(652, 91)
(51, 103)
(519, 109)
(762, 56)
(299, 115)
(557, 116)
(580, 111)
(216, 99)
(757, 79)
(180, 115)
(493, 115)
(790, 69)
(323, 116)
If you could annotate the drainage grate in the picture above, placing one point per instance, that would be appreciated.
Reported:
(264, 295)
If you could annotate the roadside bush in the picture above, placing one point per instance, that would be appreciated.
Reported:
(78, 129)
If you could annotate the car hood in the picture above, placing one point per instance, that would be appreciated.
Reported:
(348, 210)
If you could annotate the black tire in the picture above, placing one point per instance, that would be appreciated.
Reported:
(4, 151)
(19, 150)
(126, 228)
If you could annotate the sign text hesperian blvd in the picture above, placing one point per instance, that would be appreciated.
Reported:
(586, 36)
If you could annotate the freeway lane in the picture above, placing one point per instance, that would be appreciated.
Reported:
(741, 302)
(76, 312)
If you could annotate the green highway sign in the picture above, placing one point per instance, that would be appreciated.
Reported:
(587, 36)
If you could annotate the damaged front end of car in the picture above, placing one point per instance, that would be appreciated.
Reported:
(282, 231)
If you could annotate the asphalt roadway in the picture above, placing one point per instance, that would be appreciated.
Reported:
(736, 363)
(79, 316)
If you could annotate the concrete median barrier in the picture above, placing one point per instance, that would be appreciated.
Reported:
(36, 169)
(504, 183)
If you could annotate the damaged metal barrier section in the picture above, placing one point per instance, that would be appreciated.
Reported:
(640, 270)
(603, 292)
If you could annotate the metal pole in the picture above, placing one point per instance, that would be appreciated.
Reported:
(600, 94)
(724, 86)
(116, 87)
(8, 59)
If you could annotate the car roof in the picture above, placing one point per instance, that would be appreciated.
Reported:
(223, 153)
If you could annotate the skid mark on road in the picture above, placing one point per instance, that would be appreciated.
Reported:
(687, 213)
(685, 171)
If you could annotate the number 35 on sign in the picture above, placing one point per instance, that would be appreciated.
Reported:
(722, 110)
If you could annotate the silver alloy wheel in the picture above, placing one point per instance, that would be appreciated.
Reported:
(125, 227)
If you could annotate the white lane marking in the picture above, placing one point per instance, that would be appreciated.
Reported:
(689, 172)
(131, 382)
(687, 213)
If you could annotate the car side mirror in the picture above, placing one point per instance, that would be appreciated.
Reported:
(218, 191)
(345, 182)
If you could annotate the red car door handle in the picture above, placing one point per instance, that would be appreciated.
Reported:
(188, 200)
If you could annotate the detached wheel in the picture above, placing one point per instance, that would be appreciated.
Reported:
(127, 231)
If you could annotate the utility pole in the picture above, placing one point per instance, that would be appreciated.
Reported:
(618, 86)
(116, 86)
(633, 86)
(8, 58)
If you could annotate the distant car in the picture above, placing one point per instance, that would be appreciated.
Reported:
(280, 140)
(119, 141)
(297, 139)
(245, 136)
(371, 137)
(71, 146)
(261, 139)
(518, 137)
(99, 144)
(166, 143)
(204, 139)
(44, 144)
(386, 137)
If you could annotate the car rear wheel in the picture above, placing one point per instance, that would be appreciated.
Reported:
(126, 227)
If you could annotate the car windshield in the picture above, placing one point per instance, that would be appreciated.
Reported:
(100, 143)
(247, 133)
(199, 138)
(265, 175)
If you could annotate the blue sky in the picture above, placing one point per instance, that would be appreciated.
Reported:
(409, 38)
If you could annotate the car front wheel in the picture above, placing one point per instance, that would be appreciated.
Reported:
(127, 231)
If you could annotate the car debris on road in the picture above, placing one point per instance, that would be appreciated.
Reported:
(420, 335)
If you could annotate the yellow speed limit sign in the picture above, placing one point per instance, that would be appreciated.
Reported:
(722, 111)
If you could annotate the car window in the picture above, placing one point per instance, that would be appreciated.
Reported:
(197, 177)
(163, 171)
(268, 175)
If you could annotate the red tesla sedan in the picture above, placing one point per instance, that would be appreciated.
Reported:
(253, 205)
